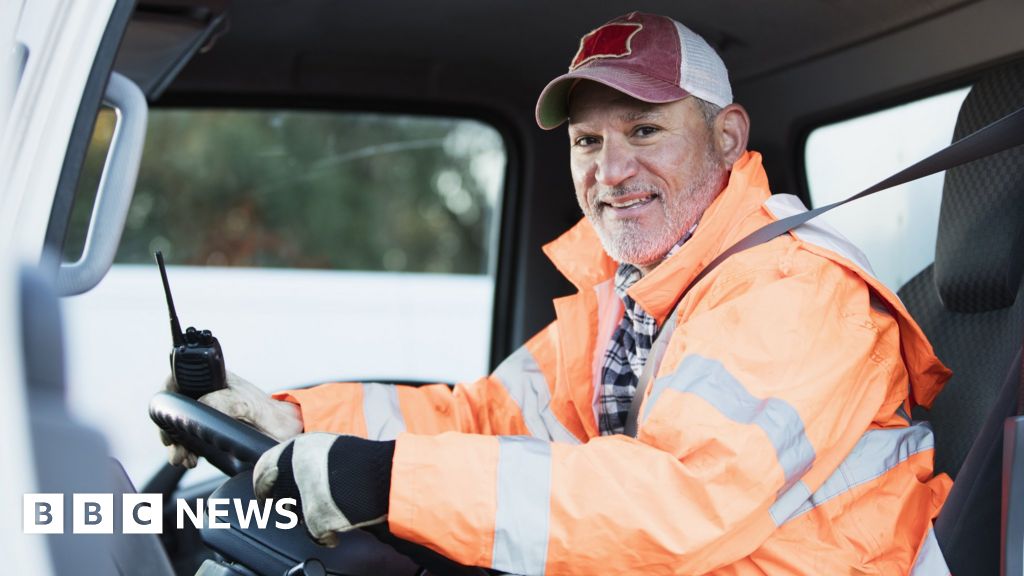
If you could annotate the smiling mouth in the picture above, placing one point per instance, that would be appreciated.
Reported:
(629, 202)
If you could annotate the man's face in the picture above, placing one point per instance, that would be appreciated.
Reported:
(644, 173)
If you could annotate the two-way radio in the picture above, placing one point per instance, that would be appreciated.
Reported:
(196, 358)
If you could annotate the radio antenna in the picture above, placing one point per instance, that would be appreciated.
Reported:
(176, 335)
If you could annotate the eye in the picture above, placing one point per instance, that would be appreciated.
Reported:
(645, 130)
(584, 141)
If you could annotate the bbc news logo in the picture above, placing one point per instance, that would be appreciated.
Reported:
(142, 513)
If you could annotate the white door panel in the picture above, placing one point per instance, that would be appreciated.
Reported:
(61, 37)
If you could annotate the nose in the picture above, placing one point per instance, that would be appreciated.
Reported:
(616, 163)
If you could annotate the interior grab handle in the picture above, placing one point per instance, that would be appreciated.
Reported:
(117, 185)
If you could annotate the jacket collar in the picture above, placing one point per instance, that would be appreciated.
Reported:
(736, 211)
(579, 256)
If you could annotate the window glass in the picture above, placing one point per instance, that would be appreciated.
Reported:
(894, 228)
(317, 246)
(316, 190)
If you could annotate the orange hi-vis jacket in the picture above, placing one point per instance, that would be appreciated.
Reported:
(773, 439)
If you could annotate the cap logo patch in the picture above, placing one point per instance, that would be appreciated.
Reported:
(608, 41)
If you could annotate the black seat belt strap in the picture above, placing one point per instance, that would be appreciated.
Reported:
(1004, 133)
(1000, 135)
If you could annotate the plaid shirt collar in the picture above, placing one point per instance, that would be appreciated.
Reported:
(628, 350)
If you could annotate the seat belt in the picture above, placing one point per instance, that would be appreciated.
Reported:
(1000, 135)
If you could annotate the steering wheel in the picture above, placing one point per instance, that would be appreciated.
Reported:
(234, 447)
(230, 445)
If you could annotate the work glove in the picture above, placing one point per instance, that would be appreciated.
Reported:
(339, 482)
(243, 401)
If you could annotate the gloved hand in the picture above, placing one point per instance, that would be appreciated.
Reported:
(339, 482)
(242, 400)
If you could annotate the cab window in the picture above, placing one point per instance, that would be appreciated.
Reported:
(894, 228)
(315, 245)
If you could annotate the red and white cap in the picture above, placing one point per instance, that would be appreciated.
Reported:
(649, 57)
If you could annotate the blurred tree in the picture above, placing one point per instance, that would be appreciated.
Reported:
(304, 189)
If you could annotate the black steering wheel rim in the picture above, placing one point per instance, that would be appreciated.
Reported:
(230, 445)
(234, 447)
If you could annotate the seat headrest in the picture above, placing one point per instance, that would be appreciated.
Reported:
(979, 253)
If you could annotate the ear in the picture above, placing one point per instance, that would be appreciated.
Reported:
(732, 128)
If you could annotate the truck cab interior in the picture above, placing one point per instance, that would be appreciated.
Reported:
(796, 65)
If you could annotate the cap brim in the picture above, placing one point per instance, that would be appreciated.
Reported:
(553, 104)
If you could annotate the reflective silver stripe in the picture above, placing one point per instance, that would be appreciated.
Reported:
(711, 381)
(930, 561)
(528, 387)
(384, 420)
(877, 452)
(524, 495)
(789, 502)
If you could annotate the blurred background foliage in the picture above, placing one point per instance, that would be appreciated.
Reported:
(306, 189)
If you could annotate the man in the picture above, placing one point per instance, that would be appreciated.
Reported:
(773, 437)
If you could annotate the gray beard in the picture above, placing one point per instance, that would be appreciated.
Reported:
(632, 244)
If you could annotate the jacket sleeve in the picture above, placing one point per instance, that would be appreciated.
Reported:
(514, 400)
(768, 383)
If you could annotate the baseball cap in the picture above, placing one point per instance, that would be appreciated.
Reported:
(649, 57)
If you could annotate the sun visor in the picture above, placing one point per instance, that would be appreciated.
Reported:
(162, 38)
